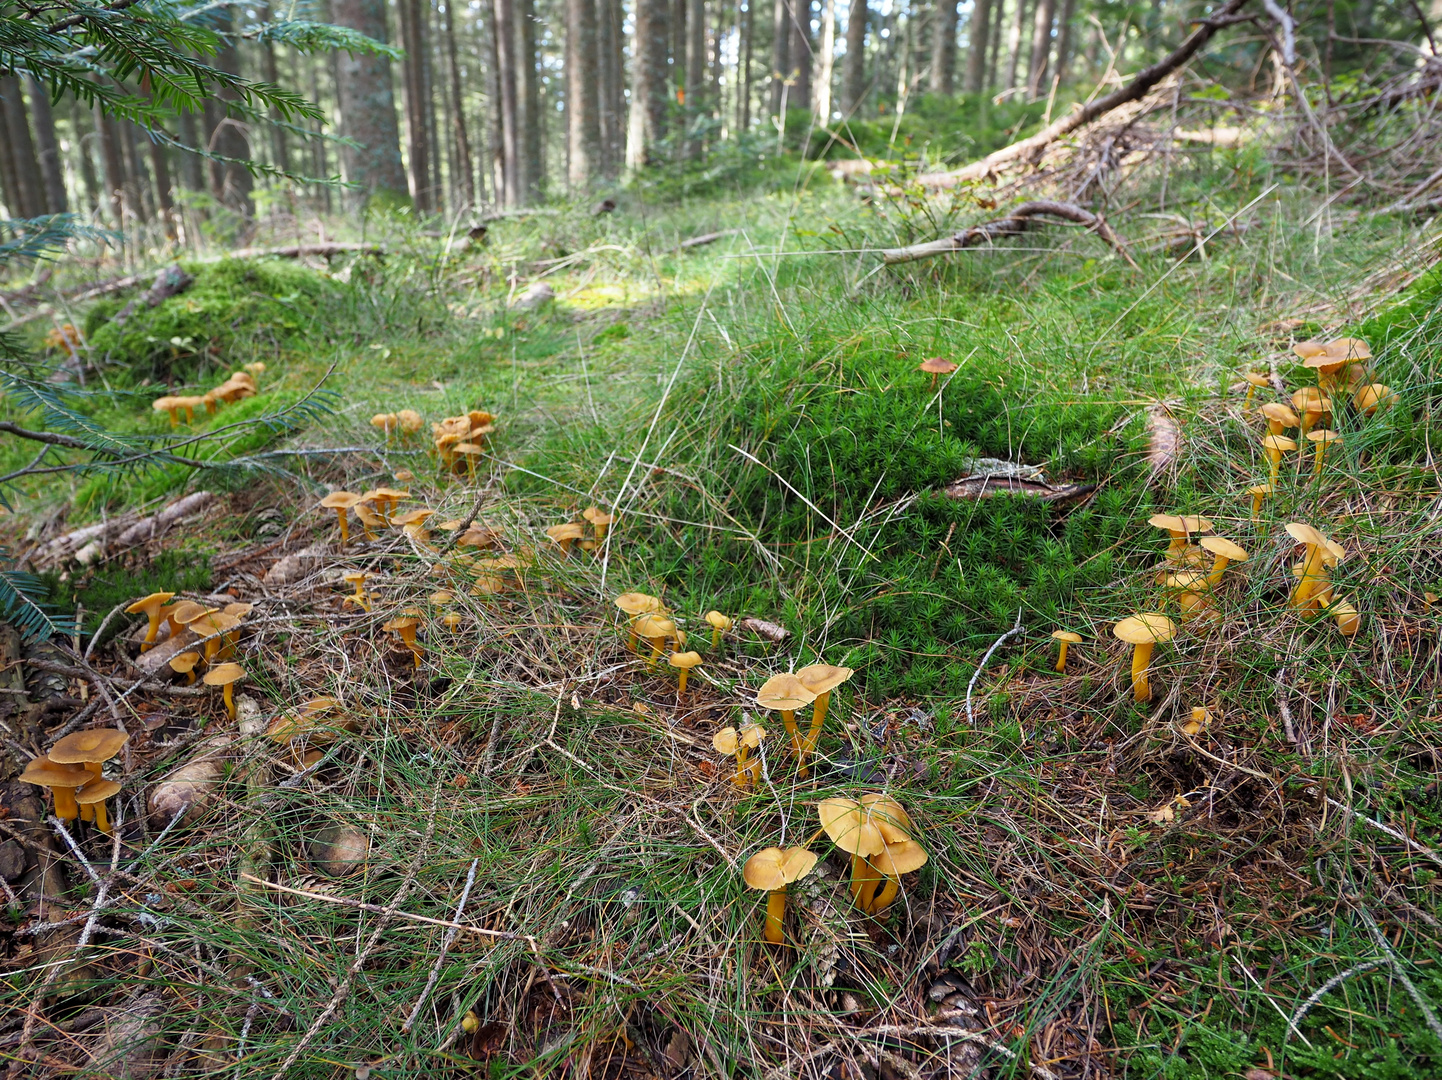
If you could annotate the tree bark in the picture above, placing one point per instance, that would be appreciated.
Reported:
(532, 118)
(9, 179)
(998, 20)
(137, 188)
(114, 165)
(1064, 40)
(610, 106)
(165, 206)
(29, 184)
(367, 106)
(1040, 47)
(801, 54)
(745, 24)
(192, 166)
(230, 183)
(1014, 45)
(508, 120)
(279, 151)
(677, 48)
(52, 167)
(780, 53)
(978, 36)
(649, 95)
(695, 94)
(436, 176)
(583, 121)
(853, 67)
(84, 140)
(413, 85)
(943, 53)
(465, 178)
(827, 61)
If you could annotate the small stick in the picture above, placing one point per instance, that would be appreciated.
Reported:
(1321, 992)
(1394, 833)
(95, 637)
(446, 943)
(1017, 629)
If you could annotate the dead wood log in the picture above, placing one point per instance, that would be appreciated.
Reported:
(94, 542)
(169, 282)
(1135, 90)
(1015, 223)
(989, 487)
(706, 238)
(305, 251)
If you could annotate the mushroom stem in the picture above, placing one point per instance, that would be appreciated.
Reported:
(1311, 576)
(1257, 498)
(101, 821)
(1141, 660)
(743, 769)
(681, 685)
(658, 645)
(858, 875)
(174, 411)
(775, 912)
(154, 628)
(1061, 657)
(788, 717)
(1317, 457)
(634, 644)
(715, 637)
(66, 808)
(344, 528)
(1250, 391)
(864, 888)
(885, 896)
(1219, 567)
(818, 717)
(229, 696)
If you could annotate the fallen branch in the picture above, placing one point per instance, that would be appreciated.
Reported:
(1017, 221)
(1135, 90)
(305, 251)
(1017, 629)
(706, 238)
(90, 544)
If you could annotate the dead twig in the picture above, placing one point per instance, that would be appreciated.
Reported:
(446, 943)
(1017, 629)
(1016, 222)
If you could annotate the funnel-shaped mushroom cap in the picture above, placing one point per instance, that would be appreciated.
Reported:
(719, 621)
(183, 612)
(1180, 524)
(340, 500)
(184, 663)
(1373, 397)
(850, 826)
(1261, 489)
(654, 627)
(409, 419)
(412, 517)
(571, 530)
(95, 745)
(1349, 348)
(238, 610)
(771, 868)
(784, 692)
(164, 404)
(1305, 534)
(900, 858)
(888, 816)
(402, 622)
(1257, 378)
(751, 735)
(1067, 636)
(936, 365)
(1308, 349)
(819, 678)
(390, 494)
(441, 598)
(1280, 414)
(1279, 443)
(1219, 545)
(1311, 400)
(1145, 628)
(97, 791)
(153, 602)
(47, 773)
(686, 660)
(596, 516)
(223, 675)
(214, 622)
(726, 741)
(355, 577)
(1186, 580)
(637, 603)
(1324, 435)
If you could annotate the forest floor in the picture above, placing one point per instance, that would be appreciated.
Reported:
(1111, 889)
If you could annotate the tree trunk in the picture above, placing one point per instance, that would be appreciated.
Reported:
(827, 61)
(677, 47)
(1040, 47)
(978, 33)
(583, 121)
(532, 118)
(853, 67)
(801, 52)
(52, 166)
(192, 166)
(746, 23)
(609, 107)
(134, 145)
(508, 105)
(230, 183)
(279, 151)
(465, 178)
(367, 107)
(1014, 46)
(436, 177)
(114, 165)
(998, 20)
(84, 142)
(695, 94)
(780, 53)
(1064, 40)
(29, 184)
(9, 178)
(943, 52)
(413, 85)
(165, 206)
(649, 95)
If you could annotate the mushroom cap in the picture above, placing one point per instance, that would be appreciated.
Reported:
(900, 858)
(479, 417)
(1311, 400)
(719, 621)
(1305, 534)
(1068, 636)
(1145, 628)
(149, 603)
(185, 662)
(95, 745)
(784, 692)
(1261, 489)
(752, 734)
(184, 611)
(409, 419)
(389, 493)
(571, 530)
(1220, 545)
(165, 404)
(367, 515)
(684, 660)
(384, 419)
(771, 868)
(1324, 435)
(1276, 411)
(412, 517)
(223, 675)
(355, 577)
(1175, 523)
(468, 448)
(1349, 348)
(726, 741)
(596, 516)
(1257, 378)
(1310, 348)
(238, 609)
(401, 622)
(97, 791)
(479, 536)
(637, 603)
(441, 597)
(849, 826)
(1373, 397)
(653, 626)
(819, 678)
(340, 500)
(47, 773)
(936, 365)
(888, 816)
(1186, 580)
(1279, 442)
(214, 622)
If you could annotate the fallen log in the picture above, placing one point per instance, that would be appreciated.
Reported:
(1014, 224)
(305, 251)
(987, 487)
(706, 238)
(1142, 82)
(94, 542)
(169, 282)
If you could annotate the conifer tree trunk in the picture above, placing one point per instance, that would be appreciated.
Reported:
(29, 192)
(649, 82)
(367, 107)
(1014, 46)
(780, 54)
(978, 34)
(138, 189)
(230, 183)
(9, 179)
(583, 121)
(508, 105)
(52, 167)
(677, 48)
(998, 20)
(413, 83)
(84, 143)
(1040, 47)
(801, 53)
(943, 51)
(164, 204)
(532, 119)
(279, 151)
(192, 171)
(746, 22)
(1064, 40)
(826, 61)
(853, 67)
(464, 179)
(609, 107)
(113, 163)
(695, 86)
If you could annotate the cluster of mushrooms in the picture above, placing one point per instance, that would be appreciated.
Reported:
(459, 441)
(585, 534)
(873, 830)
(648, 620)
(240, 385)
(72, 770)
(1343, 376)
(215, 631)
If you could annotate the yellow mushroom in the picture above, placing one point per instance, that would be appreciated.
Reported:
(785, 694)
(771, 870)
(1144, 631)
(1064, 638)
